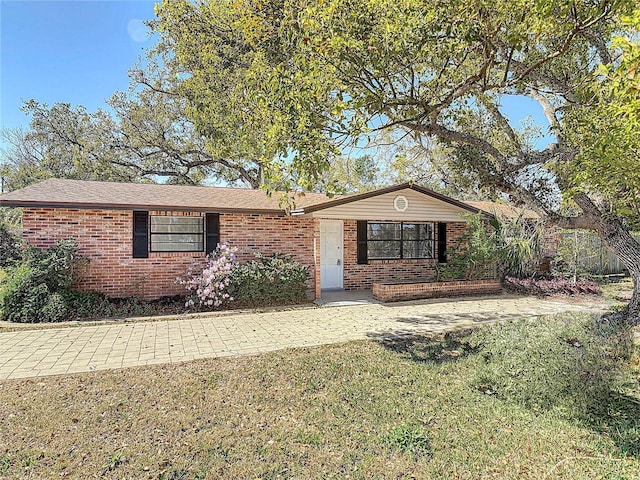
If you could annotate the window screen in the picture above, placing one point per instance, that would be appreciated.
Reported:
(176, 234)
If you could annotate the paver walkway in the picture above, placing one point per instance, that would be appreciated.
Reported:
(54, 351)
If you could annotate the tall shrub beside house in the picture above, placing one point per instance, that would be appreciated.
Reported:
(503, 247)
(475, 252)
(520, 242)
(33, 290)
(9, 247)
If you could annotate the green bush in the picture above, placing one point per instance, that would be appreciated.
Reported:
(508, 246)
(571, 364)
(86, 304)
(10, 251)
(56, 309)
(20, 297)
(56, 266)
(269, 280)
(92, 305)
(474, 255)
(32, 291)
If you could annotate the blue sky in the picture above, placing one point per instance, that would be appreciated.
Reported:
(67, 51)
(79, 51)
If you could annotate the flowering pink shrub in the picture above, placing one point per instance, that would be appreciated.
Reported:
(209, 287)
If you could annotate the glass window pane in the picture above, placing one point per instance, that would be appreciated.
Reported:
(417, 231)
(167, 224)
(177, 247)
(175, 238)
(383, 231)
(427, 231)
(385, 239)
(383, 249)
(417, 249)
(411, 231)
(177, 233)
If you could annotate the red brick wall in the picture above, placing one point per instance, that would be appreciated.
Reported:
(268, 234)
(412, 291)
(363, 276)
(105, 237)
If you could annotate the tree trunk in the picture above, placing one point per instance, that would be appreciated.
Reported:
(619, 240)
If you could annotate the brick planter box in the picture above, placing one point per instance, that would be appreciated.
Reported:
(394, 292)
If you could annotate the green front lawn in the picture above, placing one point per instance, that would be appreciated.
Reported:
(360, 410)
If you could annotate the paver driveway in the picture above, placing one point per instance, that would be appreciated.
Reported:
(97, 347)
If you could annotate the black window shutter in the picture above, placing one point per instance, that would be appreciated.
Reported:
(442, 243)
(213, 232)
(140, 234)
(362, 241)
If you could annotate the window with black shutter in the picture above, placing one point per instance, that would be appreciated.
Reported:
(442, 243)
(140, 234)
(396, 240)
(400, 240)
(213, 232)
(174, 233)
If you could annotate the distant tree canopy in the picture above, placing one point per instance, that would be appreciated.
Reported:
(145, 134)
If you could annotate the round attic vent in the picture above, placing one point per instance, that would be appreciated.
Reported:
(400, 203)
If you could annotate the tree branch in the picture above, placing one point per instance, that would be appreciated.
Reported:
(433, 128)
(548, 110)
(578, 28)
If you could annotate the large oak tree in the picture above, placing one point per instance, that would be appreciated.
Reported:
(144, 134)
(323, 75)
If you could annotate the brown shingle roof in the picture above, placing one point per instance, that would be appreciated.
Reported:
(146, 196)
(501, 209)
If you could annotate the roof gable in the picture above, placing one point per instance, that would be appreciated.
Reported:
(421, 204)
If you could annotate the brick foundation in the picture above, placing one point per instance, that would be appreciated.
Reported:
(412, 291)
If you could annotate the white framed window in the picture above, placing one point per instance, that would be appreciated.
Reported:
(176, 233)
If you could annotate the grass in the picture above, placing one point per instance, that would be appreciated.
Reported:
(360, 410)
(618, 293)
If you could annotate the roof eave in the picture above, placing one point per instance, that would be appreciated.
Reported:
(105, 206)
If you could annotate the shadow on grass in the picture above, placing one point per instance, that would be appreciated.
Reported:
(619, 421)
(432, 348)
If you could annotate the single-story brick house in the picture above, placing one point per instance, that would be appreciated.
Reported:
(141, 237)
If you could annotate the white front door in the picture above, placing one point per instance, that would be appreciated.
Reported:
(331, 254)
